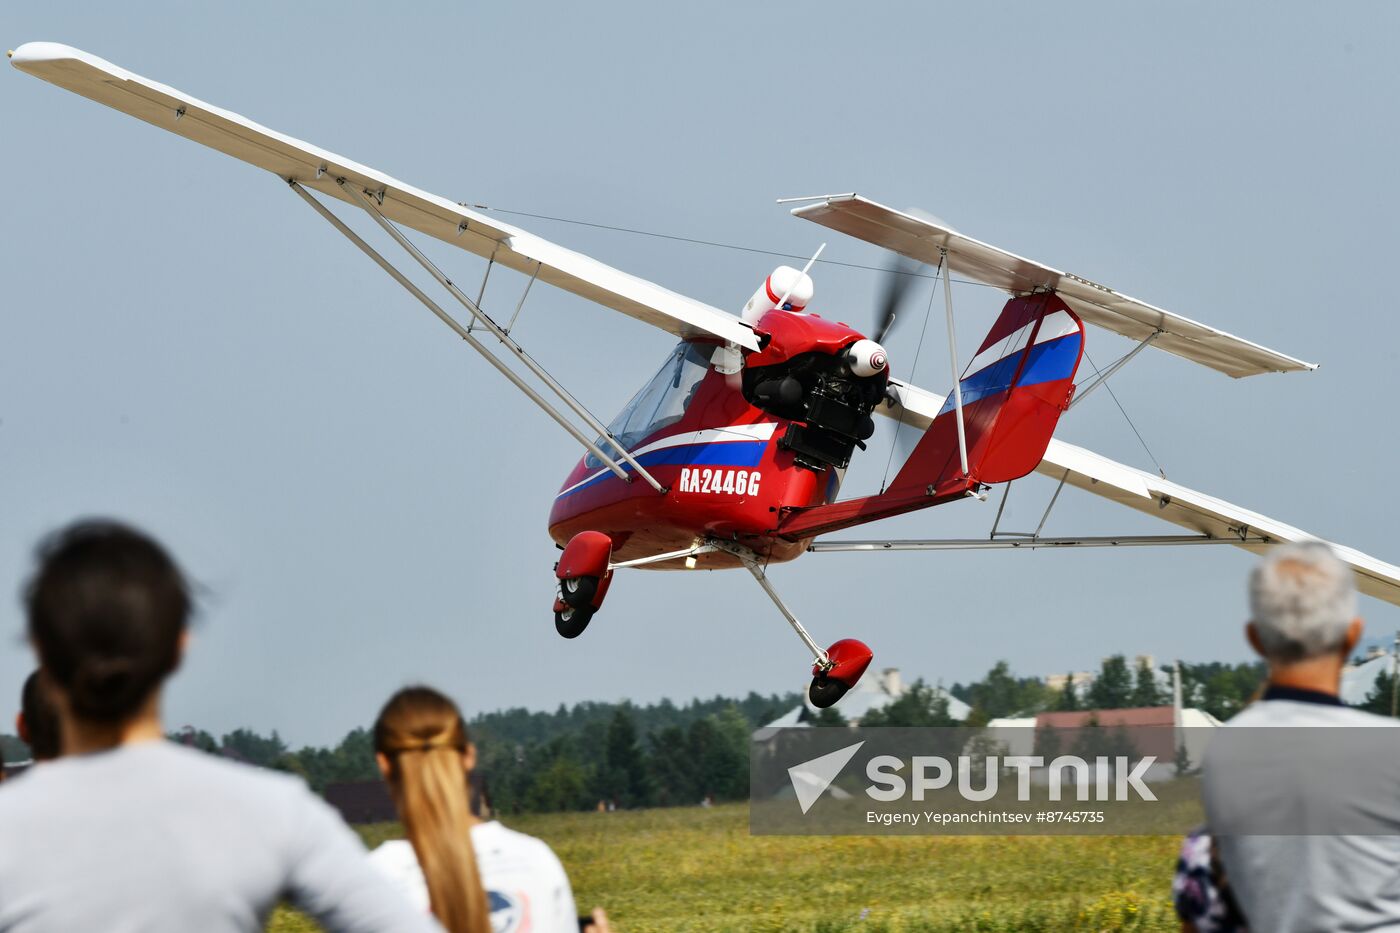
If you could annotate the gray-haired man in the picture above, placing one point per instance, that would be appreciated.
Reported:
(1305, 783)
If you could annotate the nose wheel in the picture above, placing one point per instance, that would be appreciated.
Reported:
(846, 662)
(825, 692)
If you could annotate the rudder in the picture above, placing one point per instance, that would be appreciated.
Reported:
(1013, 392)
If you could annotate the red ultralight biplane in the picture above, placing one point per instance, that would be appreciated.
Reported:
(732, 455)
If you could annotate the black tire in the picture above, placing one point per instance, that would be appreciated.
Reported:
(825, 691)
(578, 591)
(571, 622)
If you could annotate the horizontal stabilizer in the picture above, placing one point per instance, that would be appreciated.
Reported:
(922, 240)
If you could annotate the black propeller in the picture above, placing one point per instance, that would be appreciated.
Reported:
(900, 276)
(898, 282)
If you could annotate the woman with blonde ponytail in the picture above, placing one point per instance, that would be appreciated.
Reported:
(421, 745)
(475, 876)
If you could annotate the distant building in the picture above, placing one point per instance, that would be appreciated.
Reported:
(871, 692)
(1358, 680)
(1082, 680)
(1158, 731)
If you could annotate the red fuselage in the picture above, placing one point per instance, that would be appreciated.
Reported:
(727, 474)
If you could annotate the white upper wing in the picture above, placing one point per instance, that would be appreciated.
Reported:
(316, 168)
(1152, 495)
(921, 239)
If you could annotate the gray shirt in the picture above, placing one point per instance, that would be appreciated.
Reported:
(1327, 883)
(158, 837)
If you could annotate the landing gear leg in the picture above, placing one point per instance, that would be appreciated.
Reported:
(835, 670)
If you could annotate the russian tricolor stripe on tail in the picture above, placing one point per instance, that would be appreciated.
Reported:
(1013, 391)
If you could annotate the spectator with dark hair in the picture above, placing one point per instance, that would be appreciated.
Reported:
(129, 831)
(37, 722)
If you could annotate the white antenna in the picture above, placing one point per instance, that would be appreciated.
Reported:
(783, 300)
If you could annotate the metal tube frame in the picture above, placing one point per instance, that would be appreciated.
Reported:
(510, 344)
(695, 551)
(510, 325)
(996, 523)
(1053, 499)
(1103, 376)
(953, 356)
(754, 565)
(980, 544)
(457, 328)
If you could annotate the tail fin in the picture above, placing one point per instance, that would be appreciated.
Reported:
(1012, 392)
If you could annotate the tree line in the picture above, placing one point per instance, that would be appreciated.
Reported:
(664, 754)
(619, 754)
(1220, 689)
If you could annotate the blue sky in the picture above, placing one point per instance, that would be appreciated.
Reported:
(184, 345)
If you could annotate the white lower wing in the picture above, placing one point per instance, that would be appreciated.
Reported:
(312, 167)
(1152, 495)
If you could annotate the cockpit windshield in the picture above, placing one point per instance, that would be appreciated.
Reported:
(662, 401)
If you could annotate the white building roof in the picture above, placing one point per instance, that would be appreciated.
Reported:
(1359, 681)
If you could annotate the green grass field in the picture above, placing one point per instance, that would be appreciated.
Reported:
(698, 870)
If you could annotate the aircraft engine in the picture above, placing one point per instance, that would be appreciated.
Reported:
(823, 375)
(829, 397)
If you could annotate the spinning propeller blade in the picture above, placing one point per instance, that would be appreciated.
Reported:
(899, 279)
(895, 287)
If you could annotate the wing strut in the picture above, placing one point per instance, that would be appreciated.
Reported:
(481, 317)
(953, 354)
(462, 332)
(1103, 376)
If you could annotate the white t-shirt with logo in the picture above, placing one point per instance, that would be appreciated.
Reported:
(525, 883)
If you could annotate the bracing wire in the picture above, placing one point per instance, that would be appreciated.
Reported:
(1160, 471)
(718, 245)
(913, 368)
(938, 271)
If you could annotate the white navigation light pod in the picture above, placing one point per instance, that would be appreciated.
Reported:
(788, 285)
(791, 287)
(866, 358)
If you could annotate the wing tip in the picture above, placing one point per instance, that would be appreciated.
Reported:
(32, 57)
(36, 53)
